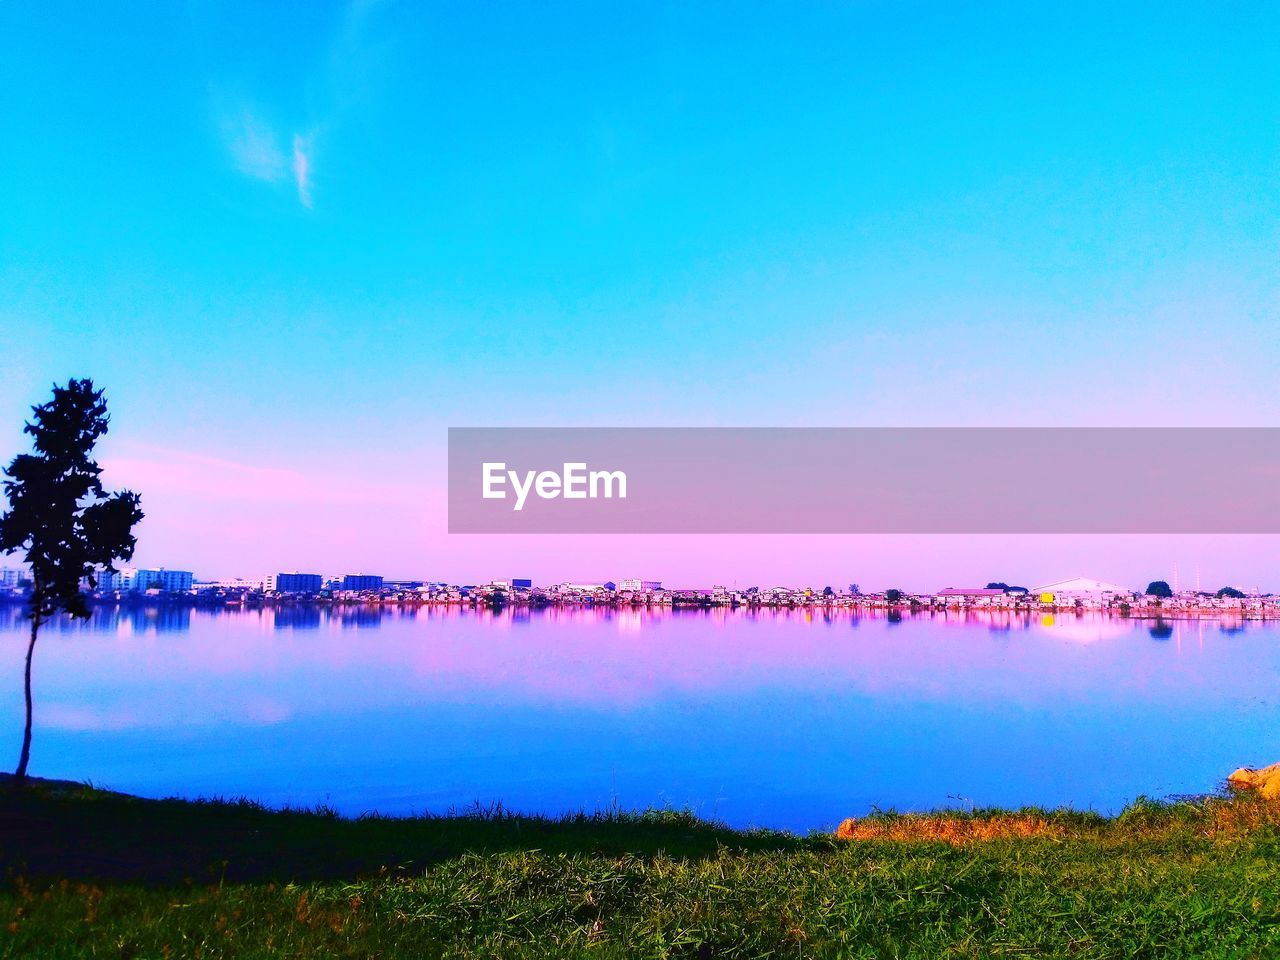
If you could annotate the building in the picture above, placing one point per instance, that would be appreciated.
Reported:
(588, 587)
(521, 583)
(1080, 588)
(170, 581)
(294, 582)
(236, 584)
(639, 586)
(140, 580)
(11, 578)
(361, 581)
(970, 592)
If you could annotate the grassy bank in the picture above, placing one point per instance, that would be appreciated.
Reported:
(94, 874)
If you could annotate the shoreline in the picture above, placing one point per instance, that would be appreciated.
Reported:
(1267, 610)
(90, 874)
(40, 790)
(1227, 791)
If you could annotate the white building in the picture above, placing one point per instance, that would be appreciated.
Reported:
(637, 586)
(234, 584)
(1081, 588)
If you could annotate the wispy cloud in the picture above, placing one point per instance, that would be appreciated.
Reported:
(257, 151)
(254, 147)
(282, 150)
(302, 168)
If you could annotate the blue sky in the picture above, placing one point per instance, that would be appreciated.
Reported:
(306, 238)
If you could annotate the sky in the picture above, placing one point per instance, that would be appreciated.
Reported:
(297, 242)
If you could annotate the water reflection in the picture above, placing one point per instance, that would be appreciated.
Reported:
(784, 717)
(107, 619)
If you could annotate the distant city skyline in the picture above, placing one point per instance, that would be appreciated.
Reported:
(322, 240)
(139, 579)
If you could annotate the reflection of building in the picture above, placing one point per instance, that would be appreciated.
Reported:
(358, 616)
(296, 616)
(1088, 628)
(165, 618)
(1082, 588)
(294, 582)
(139, 580)
(361, 581)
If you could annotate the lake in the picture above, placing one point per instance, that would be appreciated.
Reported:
(790, 718)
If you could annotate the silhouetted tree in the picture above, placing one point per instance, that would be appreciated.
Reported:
(60, 517)
(1231, 592)
(893, 595)
(1159, 588)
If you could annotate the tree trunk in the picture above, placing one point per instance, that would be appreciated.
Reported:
(20, 775)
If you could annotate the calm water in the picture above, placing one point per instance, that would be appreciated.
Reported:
(785, 719)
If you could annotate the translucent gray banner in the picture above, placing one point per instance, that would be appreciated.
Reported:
(863, 480)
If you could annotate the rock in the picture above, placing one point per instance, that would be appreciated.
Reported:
(1264, 782)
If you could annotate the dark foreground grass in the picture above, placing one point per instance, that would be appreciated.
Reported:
(94, 874)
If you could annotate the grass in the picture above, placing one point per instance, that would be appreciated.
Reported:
(94, 874)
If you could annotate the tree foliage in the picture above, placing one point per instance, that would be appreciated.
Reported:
(66, 526)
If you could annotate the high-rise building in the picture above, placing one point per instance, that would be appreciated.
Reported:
(294, 582)
(361, 581)
(11, 578)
